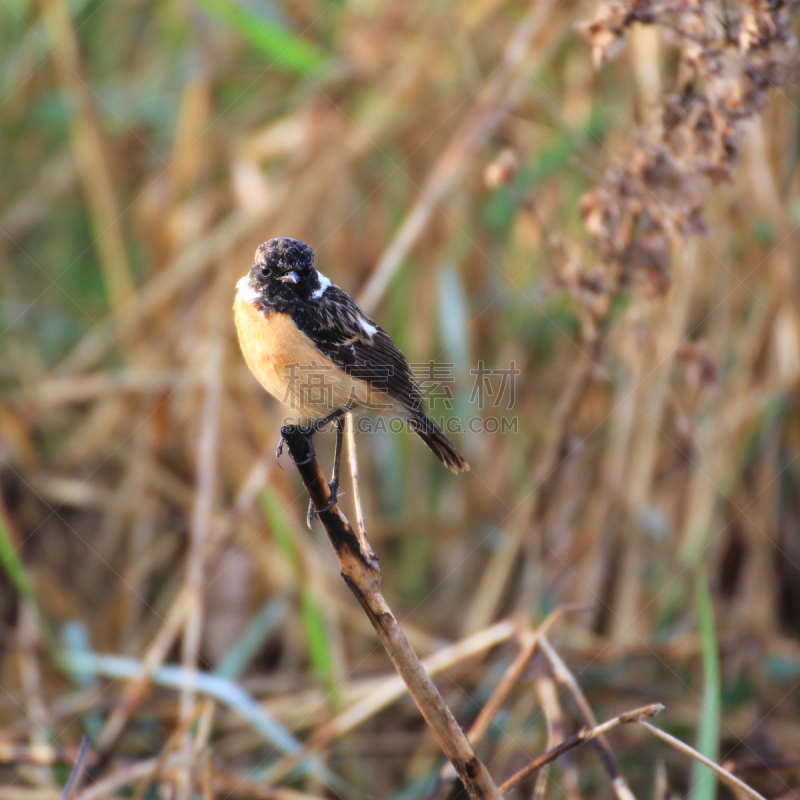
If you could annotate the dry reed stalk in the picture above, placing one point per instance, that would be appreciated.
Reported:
(175, 741)
(660, 781)
(637, 715)
(547, 695)
(391, 689)
(664, 337)
(361, 573)
(29, 641)
(222, 244)
(54, 178)
(489, 109)
(90, 156)
(36, 753)
(135, 692)
(201, 529)
(56, 392)
(130, 773)
(731, 780)
(528, 639)
(201, 516)
(563, 675)
(246, 497)
(208, 776)
(748, 452)
(495, 577)
(353, 460)
(143, 542)
(231, 785)
(528, 643)
(30, 675)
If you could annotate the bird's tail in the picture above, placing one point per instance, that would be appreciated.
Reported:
(432, 435)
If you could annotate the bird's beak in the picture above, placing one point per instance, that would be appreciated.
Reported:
(289, 278)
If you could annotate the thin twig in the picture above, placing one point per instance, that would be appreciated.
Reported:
(726, 776)
(361, 573)
(90, 156)
(208, 776)
(78, 771)
(201, 518)
(563, 675)
(491, 106)
(173, 744)
(393, 688)
(351, 454)
(547, 694)
(528, 640)
(137, 689)
(638, 715)
(31, 677)
(126, 775)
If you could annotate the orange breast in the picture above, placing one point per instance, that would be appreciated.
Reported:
(289, 366)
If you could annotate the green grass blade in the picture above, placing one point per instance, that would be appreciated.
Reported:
(704, 780)
(314, 625)
(13, 566)
(283, 47)
(279, 526)
(316, 631)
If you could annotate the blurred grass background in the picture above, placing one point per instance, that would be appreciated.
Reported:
(435, 156)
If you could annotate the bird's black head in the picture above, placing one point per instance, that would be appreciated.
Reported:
(284, 271)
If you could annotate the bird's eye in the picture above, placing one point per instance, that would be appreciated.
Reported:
(265, 270)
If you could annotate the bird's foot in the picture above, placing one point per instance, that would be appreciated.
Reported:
(334, 487)
(308, 432)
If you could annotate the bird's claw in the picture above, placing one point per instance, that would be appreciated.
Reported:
(334, 487)
(312, 454)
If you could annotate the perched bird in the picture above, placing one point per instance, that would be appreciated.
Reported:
(312, 347)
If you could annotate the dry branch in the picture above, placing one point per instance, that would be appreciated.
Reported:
(528, 643)
(361, 573)
(562, 674)
(726, 776)
(353, 459)
(583, 735)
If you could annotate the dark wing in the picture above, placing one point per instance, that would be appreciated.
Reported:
(347, 336)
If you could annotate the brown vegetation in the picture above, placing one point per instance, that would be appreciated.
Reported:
(609, 208)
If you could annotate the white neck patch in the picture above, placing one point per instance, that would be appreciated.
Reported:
(324, 283)
(245, 292)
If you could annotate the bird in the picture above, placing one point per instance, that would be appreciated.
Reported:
(313, 348)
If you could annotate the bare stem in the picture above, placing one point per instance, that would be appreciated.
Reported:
(351, 455)
(726, 776)
(201, 520)
(361, 573)
(528, 641)
(562, 674)
(583, 735)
